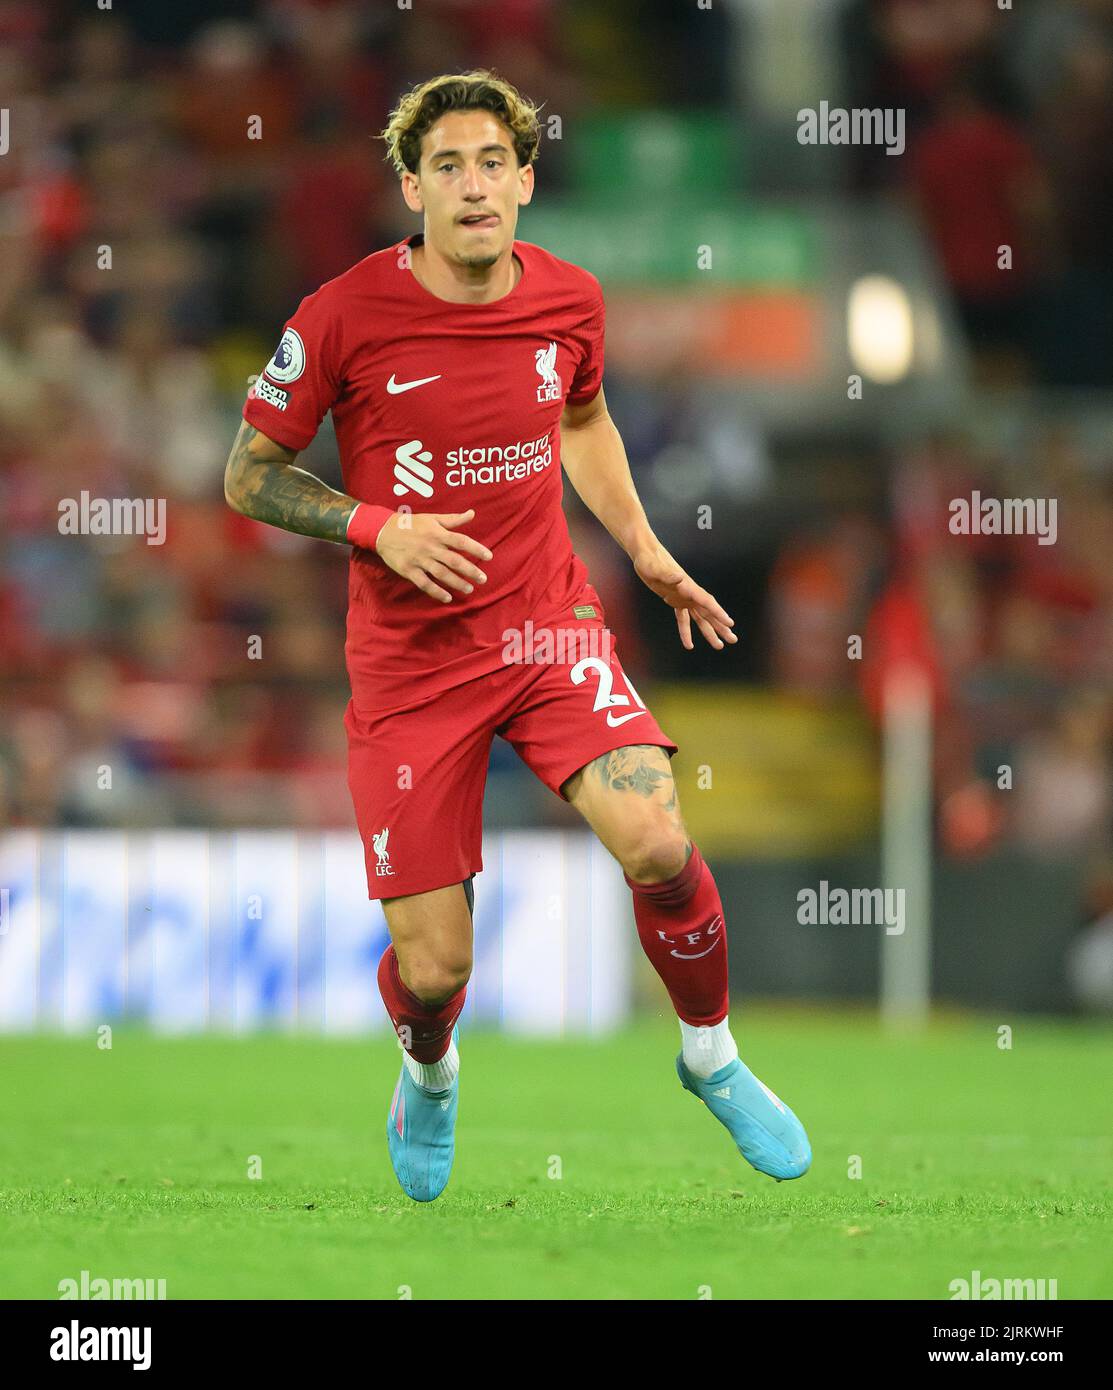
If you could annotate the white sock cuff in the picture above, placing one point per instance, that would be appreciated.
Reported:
(434, 1076)
(707, 1050)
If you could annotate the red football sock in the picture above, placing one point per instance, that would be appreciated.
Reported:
(429, 1026)
(680, 923)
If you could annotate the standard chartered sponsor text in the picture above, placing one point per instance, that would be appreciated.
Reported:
(499, 463)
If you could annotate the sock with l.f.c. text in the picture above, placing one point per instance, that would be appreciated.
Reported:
(424, 1030)
(680, 926)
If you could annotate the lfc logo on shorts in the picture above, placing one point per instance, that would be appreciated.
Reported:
(382, 868)
(545, 359)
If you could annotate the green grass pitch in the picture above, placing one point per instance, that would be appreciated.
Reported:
(133, 1163)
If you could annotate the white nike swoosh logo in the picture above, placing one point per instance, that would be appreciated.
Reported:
(397, 387)
(614, 720)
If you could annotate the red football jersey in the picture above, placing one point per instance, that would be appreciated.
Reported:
(440, 407)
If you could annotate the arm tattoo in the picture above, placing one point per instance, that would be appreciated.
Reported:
(274, 491)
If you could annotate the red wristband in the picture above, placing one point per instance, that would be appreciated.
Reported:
(365, 523)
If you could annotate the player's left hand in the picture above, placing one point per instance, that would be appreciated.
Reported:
(659, 571)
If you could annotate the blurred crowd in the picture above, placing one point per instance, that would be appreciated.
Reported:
(150, 251)
(1013, 637)
(1010, 145)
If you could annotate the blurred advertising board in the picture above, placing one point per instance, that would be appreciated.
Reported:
(624, 156)
(719, 244)
(186, 931)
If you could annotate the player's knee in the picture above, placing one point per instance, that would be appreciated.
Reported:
(656, 854)
(435, 979)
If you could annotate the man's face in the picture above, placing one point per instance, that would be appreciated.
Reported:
(469, 186)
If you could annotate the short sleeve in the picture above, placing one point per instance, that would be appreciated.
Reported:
(589, 374)
(296, 388)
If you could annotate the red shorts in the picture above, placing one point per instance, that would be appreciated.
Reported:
(417, 773)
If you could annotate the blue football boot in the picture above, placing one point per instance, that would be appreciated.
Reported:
(421, 1135)
(769, 1136)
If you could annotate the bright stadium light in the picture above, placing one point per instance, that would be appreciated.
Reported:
(880, 328)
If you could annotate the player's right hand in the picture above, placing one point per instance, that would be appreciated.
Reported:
(424, 547)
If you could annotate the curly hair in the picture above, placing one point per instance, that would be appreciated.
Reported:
(478, 90)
